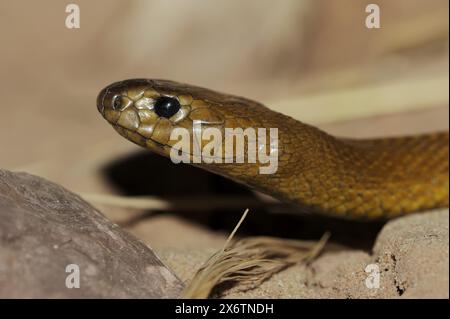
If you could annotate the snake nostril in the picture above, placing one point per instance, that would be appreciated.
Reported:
(166, 106)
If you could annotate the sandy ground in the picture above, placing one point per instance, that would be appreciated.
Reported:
(404, 252)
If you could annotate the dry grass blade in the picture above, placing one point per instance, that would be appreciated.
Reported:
(249, 262)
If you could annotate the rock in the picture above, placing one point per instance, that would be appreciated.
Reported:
(44, 228)
(413, 254)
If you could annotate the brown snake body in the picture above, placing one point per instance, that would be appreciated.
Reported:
(353, 178)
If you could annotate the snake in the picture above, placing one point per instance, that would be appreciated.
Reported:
(353, 178)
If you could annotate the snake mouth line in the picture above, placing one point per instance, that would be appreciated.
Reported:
(219, 149)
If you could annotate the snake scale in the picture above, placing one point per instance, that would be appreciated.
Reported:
(351, 178)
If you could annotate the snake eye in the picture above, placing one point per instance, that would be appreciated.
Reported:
(117, 103)
(166, 106)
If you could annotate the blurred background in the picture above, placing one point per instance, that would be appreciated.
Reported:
(312, 59)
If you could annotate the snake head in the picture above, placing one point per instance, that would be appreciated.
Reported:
(147, 111)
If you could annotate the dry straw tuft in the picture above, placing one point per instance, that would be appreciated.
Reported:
(250, 261)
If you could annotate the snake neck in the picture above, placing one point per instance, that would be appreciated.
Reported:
(376, 178)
